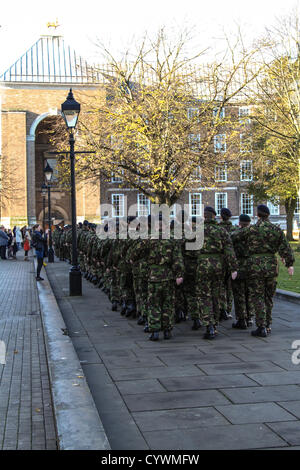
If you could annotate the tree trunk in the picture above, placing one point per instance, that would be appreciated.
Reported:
(290, 206)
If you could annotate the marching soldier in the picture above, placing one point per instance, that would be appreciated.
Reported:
(240, 285)
(217, 252)
(226, 288)
(264, 240)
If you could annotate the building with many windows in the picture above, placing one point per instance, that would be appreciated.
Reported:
(31, 93)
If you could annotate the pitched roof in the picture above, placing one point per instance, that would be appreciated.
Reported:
(50, 60)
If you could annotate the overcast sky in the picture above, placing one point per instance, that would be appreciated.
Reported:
(117, 22)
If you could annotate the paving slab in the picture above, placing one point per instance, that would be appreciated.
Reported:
(197, 358)
(178, 419)
(234, 437)
(155, 372)
(289, 431)
(263, 394)
(204, 382)
(292, 406)
(128, 387)
(172, 400)
(255, 413)
(276, 378)
(238, 368)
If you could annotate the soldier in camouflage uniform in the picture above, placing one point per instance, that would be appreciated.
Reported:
(189, 284)
(264, 240)
(226, 298)
(240, 285)
(166, 269)
(217, 252)
(56, 238)
(80, 245)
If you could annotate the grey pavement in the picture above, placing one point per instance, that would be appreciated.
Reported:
(26, 411)
(236, 392)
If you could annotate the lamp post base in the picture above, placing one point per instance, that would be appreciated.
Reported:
(75, 281)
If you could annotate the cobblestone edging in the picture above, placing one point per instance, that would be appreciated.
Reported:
(78, 423)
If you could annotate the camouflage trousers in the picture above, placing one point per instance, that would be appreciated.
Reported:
(241, 299)
(140, 286)
(126, 286)
(161, 305)
(226, 295)
(261, 293)
(208, 297)
(115, 286)
(189, 288)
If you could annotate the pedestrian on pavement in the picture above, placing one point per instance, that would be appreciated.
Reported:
(19, 238)
(3, 242)
(38, 242)
(26, 246)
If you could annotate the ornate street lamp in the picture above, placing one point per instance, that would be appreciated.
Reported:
(48, 171)
(70, 110)
(44, 192)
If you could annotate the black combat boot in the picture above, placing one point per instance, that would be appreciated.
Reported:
(95, 280)
(123, 308)
(86, 275)
(210, 332)
(131, 310)
(146, 328)
(240, 324)
(179, 316)
(141, 320)
(167, 334)
(114, 306)
(196, 324)
(260, 332)
(154, 336)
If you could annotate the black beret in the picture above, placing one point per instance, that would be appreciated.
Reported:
(210, 209)
(226, 212)
(244, 218)
(263, 209)
(85, 222)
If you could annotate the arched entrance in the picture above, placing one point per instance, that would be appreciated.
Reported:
(60, 198)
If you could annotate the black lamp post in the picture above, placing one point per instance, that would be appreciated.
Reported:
(44, 192)
(48, 173)
(70, 110)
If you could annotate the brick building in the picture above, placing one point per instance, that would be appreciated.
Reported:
(31, 93)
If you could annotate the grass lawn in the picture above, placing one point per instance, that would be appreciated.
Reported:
(286, 282)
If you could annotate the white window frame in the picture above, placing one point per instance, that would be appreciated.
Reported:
(222, 112)
(116, 179)
(193, 113)
(217, 205)
(273, 208)
(198, 205)
(218, 144)
(243, 171)
(194, 142)
(242, 204)
(197, 174)
(218, 168)
(142, 206)
(244, 114)
(121, 206)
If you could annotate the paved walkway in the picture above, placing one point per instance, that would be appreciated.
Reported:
(236, 392)
(26, 414)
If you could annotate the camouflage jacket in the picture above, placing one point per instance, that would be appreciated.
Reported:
(227, 225)
(217, 252)
(165, 260)
(264, 240)
(242, 255)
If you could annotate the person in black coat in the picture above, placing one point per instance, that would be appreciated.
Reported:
(38, 242)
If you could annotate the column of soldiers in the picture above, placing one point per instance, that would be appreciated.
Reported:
(160, 282)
